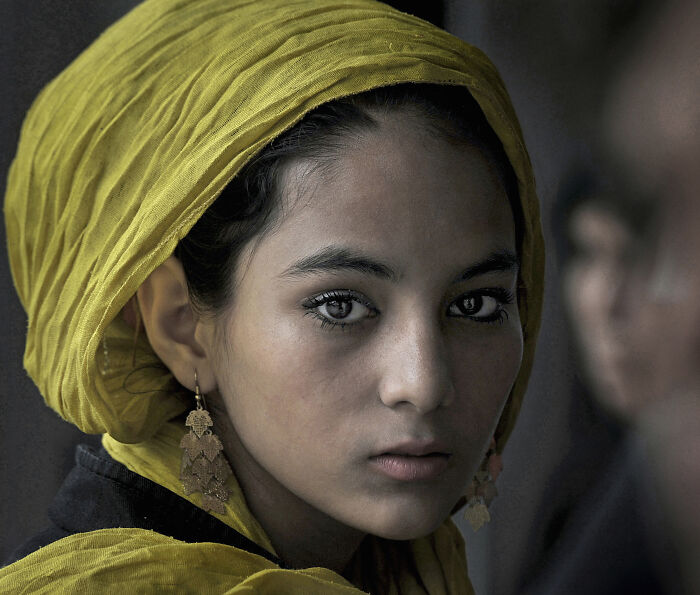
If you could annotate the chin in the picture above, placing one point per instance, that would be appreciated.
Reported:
(406, 521)
(407, 531)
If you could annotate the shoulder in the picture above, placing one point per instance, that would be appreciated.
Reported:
(115, 531)
(106, 557)
(39, 540)
(100, 493)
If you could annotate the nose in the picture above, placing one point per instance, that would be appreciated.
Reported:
(416, 367)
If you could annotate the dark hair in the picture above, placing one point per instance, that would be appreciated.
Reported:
(249, 204)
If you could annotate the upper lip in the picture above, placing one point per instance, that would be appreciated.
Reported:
(415, 448)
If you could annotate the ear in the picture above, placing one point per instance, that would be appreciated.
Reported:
(171, 325)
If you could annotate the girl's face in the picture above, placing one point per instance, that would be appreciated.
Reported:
(374, 335)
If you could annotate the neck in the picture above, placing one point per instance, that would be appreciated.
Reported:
(302, 535)
(301, 539)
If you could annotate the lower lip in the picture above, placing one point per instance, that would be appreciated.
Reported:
(409, 468)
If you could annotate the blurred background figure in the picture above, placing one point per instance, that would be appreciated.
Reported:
(653, 133)
(601, 530)
(629, 250)
(631, 286)
(595, 249)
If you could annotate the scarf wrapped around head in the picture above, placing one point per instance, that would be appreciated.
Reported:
(122, 152)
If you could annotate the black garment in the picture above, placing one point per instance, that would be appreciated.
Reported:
(613, 542)
(101, 493)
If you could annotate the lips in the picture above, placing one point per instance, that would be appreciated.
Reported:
(415, 448)
(412, 461)
(411, 468)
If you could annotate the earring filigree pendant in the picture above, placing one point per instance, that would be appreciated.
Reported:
(482, 489)
(204, 467)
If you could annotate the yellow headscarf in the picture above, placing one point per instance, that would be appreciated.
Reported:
(122, 152)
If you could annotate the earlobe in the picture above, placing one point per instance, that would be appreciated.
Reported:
(171, 325)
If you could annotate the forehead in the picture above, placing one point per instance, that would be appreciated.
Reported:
(402, 191)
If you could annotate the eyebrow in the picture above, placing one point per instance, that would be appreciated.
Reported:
(338, 258)
(500, 260)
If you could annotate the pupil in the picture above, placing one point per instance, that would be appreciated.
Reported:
(338, 309)
(471, 304)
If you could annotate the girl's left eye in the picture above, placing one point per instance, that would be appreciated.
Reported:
(485, 306)
(340, 308)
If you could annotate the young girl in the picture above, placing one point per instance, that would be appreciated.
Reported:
(286, 257)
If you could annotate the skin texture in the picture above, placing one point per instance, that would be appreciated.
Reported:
(307, 403)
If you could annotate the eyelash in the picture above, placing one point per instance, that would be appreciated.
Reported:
(339, 295)
(502, 296)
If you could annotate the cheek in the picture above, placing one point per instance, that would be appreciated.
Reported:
(585, 290)
(280, 379)
(668, 336)
(484, 370)
(575, 279)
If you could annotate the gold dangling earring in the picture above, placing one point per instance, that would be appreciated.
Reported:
(482, 489)
(204, 467)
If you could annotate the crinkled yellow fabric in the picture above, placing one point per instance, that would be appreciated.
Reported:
(124, 561)
(117, 159)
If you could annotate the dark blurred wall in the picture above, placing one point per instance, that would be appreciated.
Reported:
(432, 10)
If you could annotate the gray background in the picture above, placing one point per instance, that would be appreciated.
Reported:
(551, 55)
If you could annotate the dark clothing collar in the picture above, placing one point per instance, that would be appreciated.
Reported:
(101, 493)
